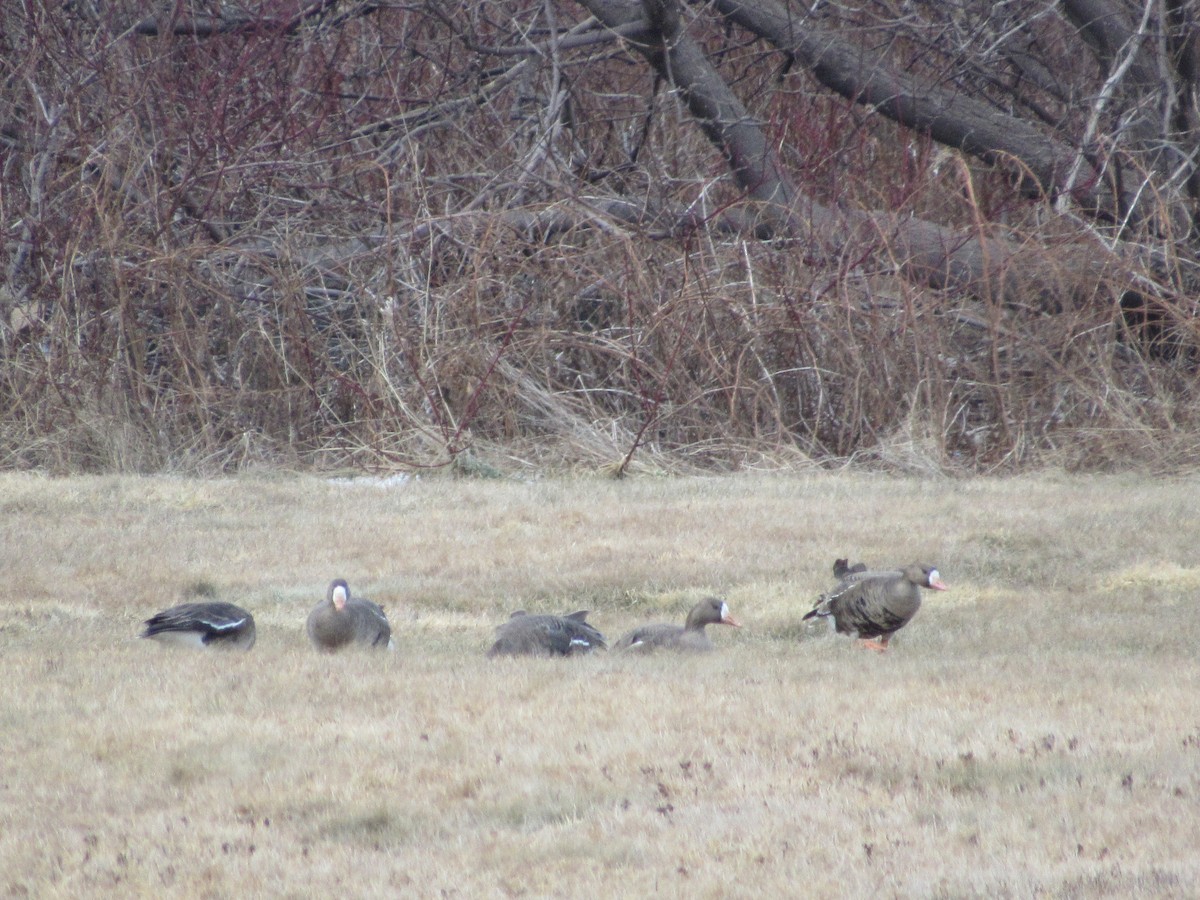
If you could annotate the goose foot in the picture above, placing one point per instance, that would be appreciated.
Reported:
(879, 646)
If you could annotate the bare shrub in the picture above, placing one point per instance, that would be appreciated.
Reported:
(380, 236)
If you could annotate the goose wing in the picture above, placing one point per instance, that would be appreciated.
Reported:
(205, 623)
(547, 635)
(371, 623)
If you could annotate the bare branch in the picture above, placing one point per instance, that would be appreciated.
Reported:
(719, 112)
(234, 22)
(948, 116)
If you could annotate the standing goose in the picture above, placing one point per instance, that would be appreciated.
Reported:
(544, 635)
(341, 620)
(873, 606)
(689, 636)
(203, 625)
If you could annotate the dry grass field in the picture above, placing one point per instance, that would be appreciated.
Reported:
(1034, 733)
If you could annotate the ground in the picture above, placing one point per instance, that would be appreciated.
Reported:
(1034, 732)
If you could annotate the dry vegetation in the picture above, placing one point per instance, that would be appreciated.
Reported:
(374, 234)
(1035, 732)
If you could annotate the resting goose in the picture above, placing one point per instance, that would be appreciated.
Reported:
(203, 625)
(545, 635)
(873, 606)
(689, 636)
(341, 620)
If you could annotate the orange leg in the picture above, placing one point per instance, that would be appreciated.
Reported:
(879, 645)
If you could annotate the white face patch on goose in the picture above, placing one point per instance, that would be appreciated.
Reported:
(580, 642)
(724, 611)
(933, 576)
(339, 597)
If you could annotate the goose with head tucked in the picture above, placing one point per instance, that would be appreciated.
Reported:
(546, 635)
(689, 636)
(208, 624)
(341, 620)
(874, 605)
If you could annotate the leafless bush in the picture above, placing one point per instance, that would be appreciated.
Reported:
(378, 235)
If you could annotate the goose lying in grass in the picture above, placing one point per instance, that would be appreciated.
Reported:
(546, 635)
(341, 620)
(203, 625)
(689, 636)
(873, 606)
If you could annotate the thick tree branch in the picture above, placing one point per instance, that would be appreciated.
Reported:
(949, 117)
(924, 251)
(719, 112)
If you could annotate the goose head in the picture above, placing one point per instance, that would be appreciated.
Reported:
(711, 611)
(339, 593)
(925, 576)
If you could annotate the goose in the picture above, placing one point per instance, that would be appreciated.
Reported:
(341, 620)
(202, 625)
(546, 635)
(689, 636)
(873, 606)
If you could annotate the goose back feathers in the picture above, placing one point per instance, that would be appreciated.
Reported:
(203, 625)
(877, 604)
(340, 621)
(689, 636)
(546, 635)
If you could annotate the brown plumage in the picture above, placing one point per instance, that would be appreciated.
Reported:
(689, 636)
(203, 625)
(340, 620)
(546, 635)
(873, 606)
